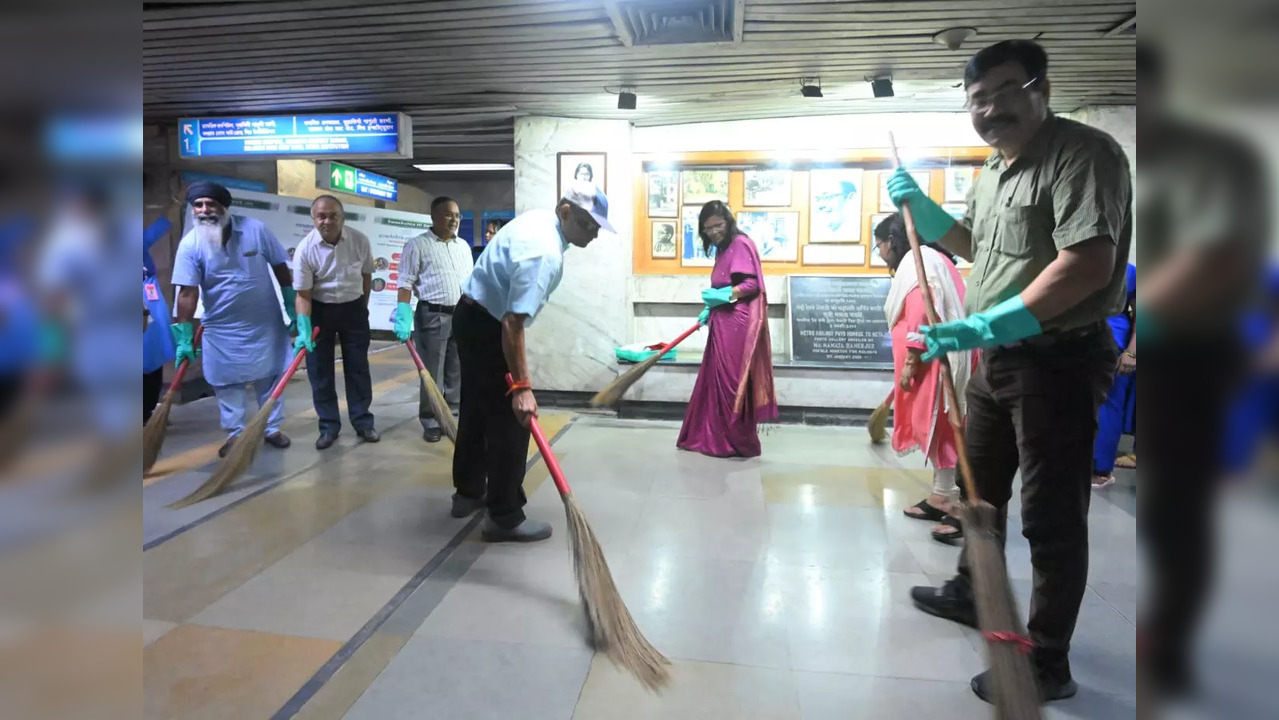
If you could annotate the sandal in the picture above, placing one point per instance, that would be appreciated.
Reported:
(927, 512)
(950, 538)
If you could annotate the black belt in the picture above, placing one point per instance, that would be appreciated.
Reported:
(1054, 338)
(446, 309)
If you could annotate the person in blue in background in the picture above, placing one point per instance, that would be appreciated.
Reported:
(157, 340)
(1119, 413)
(1255, 410)
(19, 318)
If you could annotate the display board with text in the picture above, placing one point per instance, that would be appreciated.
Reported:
(839, 321)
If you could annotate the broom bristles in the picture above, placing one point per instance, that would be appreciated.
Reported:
(439, 406)
(613, 392)
(153, 433)
(613, 629)
(1015, 692)
(878, 425)
(238, 459)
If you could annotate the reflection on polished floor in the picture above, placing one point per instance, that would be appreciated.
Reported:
(335, 584)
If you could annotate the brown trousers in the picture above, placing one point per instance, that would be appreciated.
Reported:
(1032, 407)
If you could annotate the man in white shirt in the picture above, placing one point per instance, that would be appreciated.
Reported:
(332, 273)
(512, 281)
(433, 266)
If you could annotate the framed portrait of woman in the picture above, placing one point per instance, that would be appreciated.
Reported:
(589, 166)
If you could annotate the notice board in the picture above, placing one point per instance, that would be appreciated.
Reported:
(838, 321)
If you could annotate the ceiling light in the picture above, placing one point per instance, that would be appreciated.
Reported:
(626, 100)
(464, 167)
(952, 38)
(810, 87)
(881, 87)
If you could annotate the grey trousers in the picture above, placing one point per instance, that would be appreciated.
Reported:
(433, 335)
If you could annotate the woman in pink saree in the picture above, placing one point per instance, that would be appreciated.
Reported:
(734, 389)
(919, 409)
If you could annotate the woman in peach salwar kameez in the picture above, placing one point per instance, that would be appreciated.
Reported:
(919, 407)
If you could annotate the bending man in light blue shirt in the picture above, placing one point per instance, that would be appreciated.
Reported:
(510, 285)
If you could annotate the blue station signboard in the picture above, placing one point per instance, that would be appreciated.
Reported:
(350, 135)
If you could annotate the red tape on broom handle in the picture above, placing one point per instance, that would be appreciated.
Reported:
(544, 447)
(182, 367)
(278, 390)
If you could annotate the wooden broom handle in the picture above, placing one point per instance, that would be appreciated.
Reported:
(544, 447)
(417, 359)
(182, 367)
(278, 390)
(683, 336)
(947, 378)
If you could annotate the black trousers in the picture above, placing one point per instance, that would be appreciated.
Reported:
(1189, 383)
(1033, 407)
(151, 384)
(492, 446)
(346, 323)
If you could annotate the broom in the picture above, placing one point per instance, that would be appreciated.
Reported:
(439, 406)
(613, 392)
(1015, 694)
(878, 425)
(245, 447)
(153, 433)
(612, 627)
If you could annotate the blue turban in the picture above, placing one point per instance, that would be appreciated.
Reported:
(206, 189)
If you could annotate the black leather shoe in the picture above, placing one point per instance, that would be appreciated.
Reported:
(369, 435)
(432, 435)
(226, 446)
(1049, 689)
(946, 602)
(278, 440)
(325, 441)
(527, 531)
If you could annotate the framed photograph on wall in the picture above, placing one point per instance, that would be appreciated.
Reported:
(776, 234)
(958, 181)
(588, 166)
(691, 254)
(663, 194)
(766, 188)
(664, 239)
(836, 214)
(702, 186)
(922, 178)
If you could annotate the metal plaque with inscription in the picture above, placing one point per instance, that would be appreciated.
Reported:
(839, 321)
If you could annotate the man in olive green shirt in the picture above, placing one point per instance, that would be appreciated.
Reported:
(1047, 229)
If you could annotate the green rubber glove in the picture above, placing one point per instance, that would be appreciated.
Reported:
(1007, 322)
(184, 342)
(403, 321)
(304, 335)
(714, 297)
(1145, 327)
(705, 316)
(291, 306)
(931, 221)
(52, 343)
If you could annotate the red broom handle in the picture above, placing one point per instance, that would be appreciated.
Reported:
(417, 359)
(278, 390)
(683, 336)
(182, 367)
(544, 447)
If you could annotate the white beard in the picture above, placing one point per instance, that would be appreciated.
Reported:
(210, 234)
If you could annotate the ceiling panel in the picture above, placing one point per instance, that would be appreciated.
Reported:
(465, 69)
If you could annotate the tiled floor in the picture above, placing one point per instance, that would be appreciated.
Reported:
(335, 584)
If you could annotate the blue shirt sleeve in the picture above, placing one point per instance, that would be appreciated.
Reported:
(531, 280)
(187, 270)
(272, 249)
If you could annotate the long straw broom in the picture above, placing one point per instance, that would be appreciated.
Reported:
(612, 627)
(613, 392)
(153, 433)
(246, 444)
(1015, 694)
(439, 405)
(878, 425)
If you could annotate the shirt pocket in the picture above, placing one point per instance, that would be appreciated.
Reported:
(1018, 227)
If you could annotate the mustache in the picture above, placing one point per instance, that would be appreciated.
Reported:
(999, 120)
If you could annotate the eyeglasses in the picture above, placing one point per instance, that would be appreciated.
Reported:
(981, 103)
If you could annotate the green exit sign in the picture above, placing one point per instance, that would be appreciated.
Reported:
(347, 179)
(341, 177)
